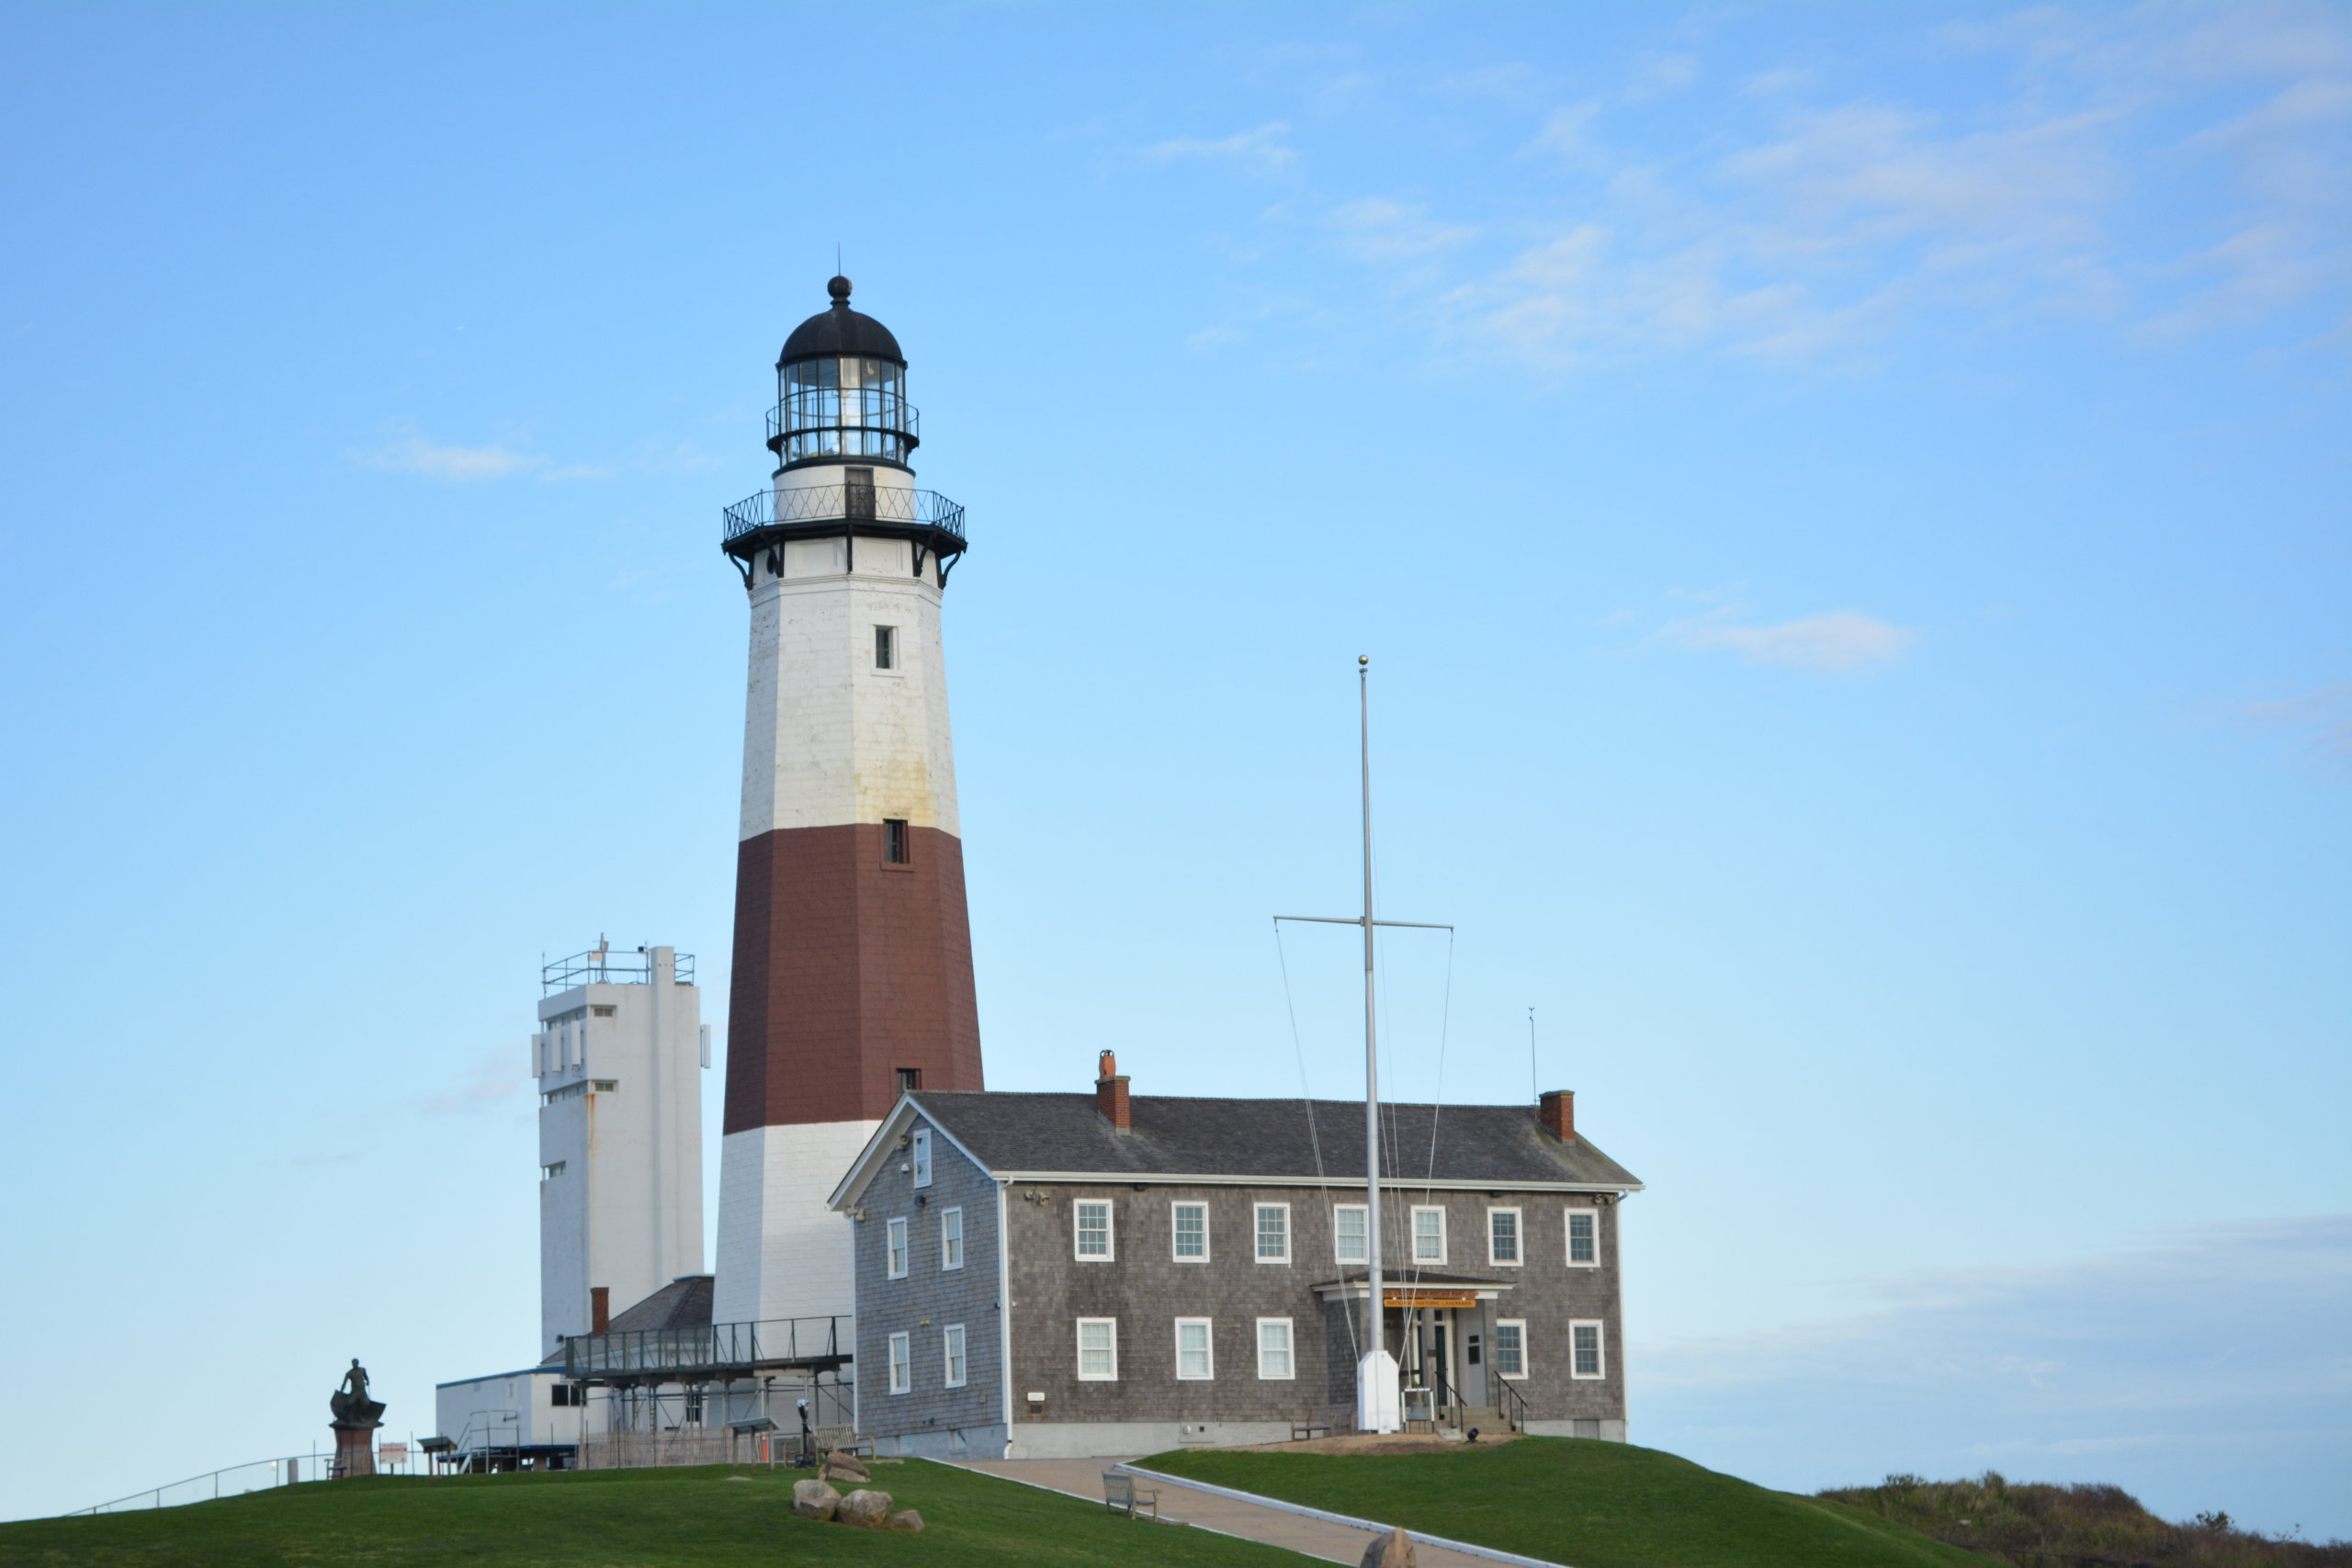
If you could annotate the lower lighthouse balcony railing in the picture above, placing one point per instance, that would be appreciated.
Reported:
(844, 504)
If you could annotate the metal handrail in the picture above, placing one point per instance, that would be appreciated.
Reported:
(1513, 1406)
(235, 1480)
(601, 966)
(719, 1346)
(841, 502)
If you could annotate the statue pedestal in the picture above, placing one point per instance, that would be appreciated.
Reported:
(354, 1450)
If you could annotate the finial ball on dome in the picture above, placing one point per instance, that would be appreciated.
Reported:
(838, 288)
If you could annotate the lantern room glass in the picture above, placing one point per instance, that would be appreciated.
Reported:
(845, 406)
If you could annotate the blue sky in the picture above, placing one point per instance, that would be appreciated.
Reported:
(1848, 506)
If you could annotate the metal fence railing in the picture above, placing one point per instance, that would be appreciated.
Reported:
(257, 1476)
(706, 1350)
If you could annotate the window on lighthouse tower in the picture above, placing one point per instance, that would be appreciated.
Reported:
(886, 648)
(895, 848)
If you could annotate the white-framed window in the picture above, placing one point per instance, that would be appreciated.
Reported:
(951, 1239)
(1503, 1238)
(886, 648)
(1584, 1238)
(1428, 1235)
(1098, 1349)
(1510, 1347)
(902, 1362)
(1351, 1234)
(1586, 1356)
(922, 1161)
(1275, 1362)
(1273, 1228)
(951, 1349)
(1090, 1220)
(1195, 1360)
(894, 1248)
(1189, 1224)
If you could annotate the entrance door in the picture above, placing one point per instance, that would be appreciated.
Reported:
(1473, 1362)
(860, 495)
(1441, 1357)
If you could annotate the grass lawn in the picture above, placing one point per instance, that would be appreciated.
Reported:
(1591, 1504)
(639, 1518)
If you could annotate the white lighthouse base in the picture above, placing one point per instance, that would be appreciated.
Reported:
(782, 1253)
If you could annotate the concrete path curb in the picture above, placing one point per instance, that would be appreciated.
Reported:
(1236, 1515)
(1466, 1547)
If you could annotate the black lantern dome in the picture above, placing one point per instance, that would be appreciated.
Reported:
(842, 391)
(839, 331)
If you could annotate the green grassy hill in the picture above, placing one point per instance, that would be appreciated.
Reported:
(1590, 1503)
(626, 1518)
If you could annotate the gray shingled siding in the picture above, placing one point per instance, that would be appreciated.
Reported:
(1145, 1289)
(922, 1305)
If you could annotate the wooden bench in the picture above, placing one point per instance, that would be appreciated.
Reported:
(1121, 1494)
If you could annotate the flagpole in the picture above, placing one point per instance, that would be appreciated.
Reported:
(1376, 1310)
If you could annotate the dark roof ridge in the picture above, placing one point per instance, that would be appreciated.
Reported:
(1228, 1138)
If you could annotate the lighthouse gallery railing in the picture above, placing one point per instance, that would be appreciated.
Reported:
(857, 504)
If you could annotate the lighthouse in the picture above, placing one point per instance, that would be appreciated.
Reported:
(852, 958)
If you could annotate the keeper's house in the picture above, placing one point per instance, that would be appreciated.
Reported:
(1058, 1275)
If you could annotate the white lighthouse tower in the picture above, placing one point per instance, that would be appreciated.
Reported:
(852, 966)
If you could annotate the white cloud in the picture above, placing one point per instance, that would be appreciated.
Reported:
(458, 465)
(1833, 641)
(470, 465)
(1264, 149)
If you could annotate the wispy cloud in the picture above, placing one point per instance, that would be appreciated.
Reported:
(457, 464)
(496, 1076)
(1834, 641)
(470, 465)
(2320, 720)
(1265, 149)
(2159, 170)
(1379, 230)
(1209, 339)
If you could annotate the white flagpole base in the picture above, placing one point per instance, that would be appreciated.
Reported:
(1380, 1406)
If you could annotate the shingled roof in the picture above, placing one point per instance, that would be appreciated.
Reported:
(1175, 1136)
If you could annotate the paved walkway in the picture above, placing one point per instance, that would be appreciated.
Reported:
(1227, 1515)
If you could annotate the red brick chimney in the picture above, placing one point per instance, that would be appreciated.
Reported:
(600, 1308)
(1558, 1110)
(1110, 1093)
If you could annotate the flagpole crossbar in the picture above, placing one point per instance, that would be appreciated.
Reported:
(1358, 919)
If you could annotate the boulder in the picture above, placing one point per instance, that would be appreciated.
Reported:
(906, 1519)
(1394, 1549)
(815, 1500)
(845, 1467)
(868, 1510)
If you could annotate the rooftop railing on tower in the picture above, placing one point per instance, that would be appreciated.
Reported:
(603, 966)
